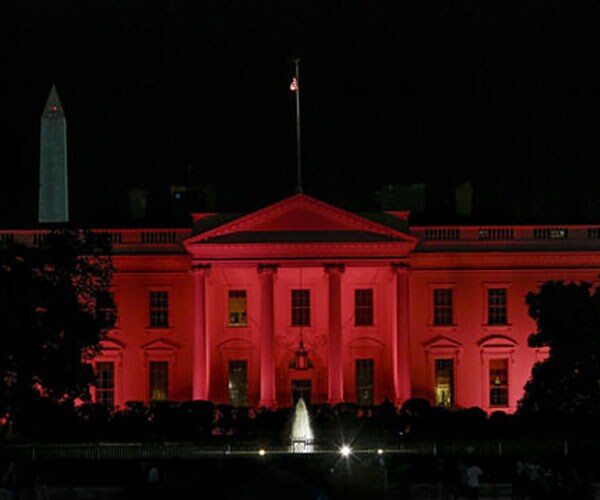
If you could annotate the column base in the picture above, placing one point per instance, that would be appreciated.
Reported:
(399, 401)
(271, 404)
(333, 402)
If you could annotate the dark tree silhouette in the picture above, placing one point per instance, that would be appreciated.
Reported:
(55, 306)
(567, 383)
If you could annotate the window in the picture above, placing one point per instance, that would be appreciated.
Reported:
(237, 308)
(238, 383)
(159, 309)
(499, 382)
(497, 311)
(159, 380)
(444, 382)
(363, 307)
(442, 306)
(300, 307)
(364, 381)
(107, 311)
(105, 383)
(108, 318)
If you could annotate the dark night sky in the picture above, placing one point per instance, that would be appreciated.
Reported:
(502, 94)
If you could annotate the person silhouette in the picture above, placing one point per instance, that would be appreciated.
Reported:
(473, 475)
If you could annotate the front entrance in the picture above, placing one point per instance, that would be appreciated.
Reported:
(301, 389)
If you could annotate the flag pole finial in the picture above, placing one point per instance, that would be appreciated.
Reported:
(295, 87)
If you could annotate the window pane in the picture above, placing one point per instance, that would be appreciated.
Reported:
(499, 382)
(238, 382)
(444, 382)
(301, 307)
(105, 383)
(237, 308)
(442, 306)
(363, 307)
(364, 381)
(159, 309)
(497, 311)
(159, 380)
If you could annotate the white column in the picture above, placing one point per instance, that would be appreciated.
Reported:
(401, 341)
(201, 352)
(267, 337)
(335, 352)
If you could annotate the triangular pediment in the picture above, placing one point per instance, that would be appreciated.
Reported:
(111, 345)
(161, 345)
(302, 219)
(442, 342)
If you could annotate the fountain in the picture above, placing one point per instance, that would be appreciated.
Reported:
(302, 435)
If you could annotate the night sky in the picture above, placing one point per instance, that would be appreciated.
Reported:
(504, 95)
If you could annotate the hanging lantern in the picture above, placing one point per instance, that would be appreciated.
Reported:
(301, 357)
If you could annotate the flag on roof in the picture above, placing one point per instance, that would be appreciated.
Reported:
(294, 85)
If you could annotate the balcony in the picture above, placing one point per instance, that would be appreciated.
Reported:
(507, 238)
(123, 240)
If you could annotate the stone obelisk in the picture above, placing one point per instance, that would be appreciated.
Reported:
(53, 193)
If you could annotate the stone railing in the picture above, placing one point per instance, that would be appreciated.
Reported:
(120, 238)
(508, 234)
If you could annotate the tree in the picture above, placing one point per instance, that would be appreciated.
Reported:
(567, 383)
(53, 303)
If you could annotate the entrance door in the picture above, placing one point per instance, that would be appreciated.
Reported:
(301, 389)
(444, 382)
(238, 382)
(364, 381)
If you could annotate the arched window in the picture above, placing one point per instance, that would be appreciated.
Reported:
(442, 357)
(108, 368)
(497, 353)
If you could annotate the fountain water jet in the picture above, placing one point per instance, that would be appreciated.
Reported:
(302, 435)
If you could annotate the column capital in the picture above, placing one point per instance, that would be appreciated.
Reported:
(267, 268)
(400, 267)
(202, 269)
(334, 268)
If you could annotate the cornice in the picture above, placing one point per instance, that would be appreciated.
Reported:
(269, 251)
(504, 260)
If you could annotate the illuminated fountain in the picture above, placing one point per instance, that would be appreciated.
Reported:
(302, 435)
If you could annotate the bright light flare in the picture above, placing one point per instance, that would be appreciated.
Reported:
(345, 451)
(262, 452)
(380, 451)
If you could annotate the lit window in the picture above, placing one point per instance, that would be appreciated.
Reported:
(105, 383)
(159, 380)
(497, 310)
(442, 306)
(300, 307)
(159, 309)
(238, 383)
(237, 308)
(363, 307)
(499, 382)
(444, 382)
(364, 381)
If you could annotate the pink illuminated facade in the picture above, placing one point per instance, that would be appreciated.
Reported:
(303, 298)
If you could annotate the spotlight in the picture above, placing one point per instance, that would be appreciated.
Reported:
(380, 451)
(345, 451)
(261, 452)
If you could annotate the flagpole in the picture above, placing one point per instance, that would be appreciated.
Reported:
(298, 136)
